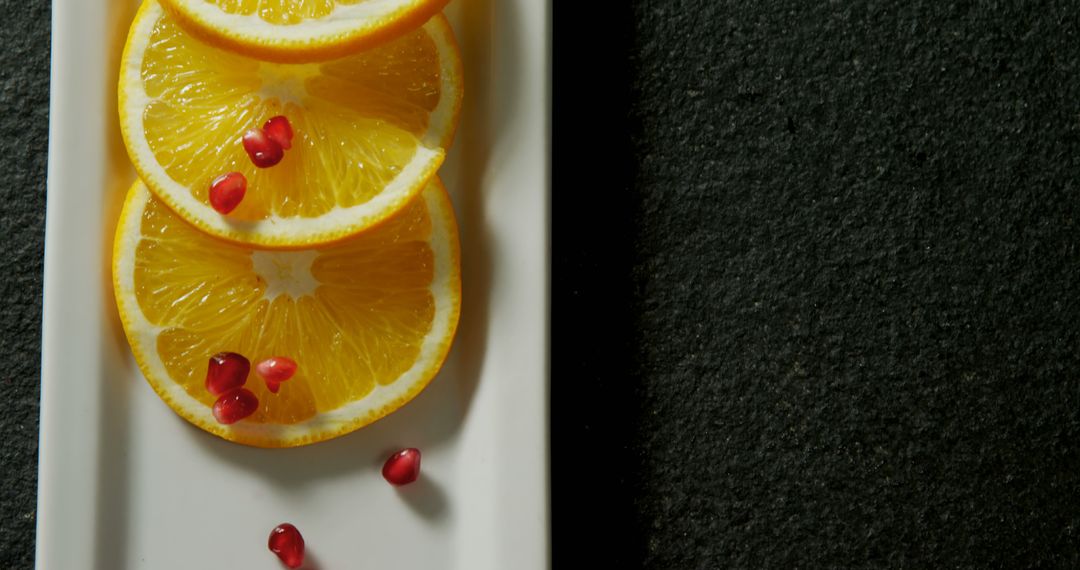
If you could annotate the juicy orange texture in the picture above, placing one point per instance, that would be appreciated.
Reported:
(355, 315)
(370, 129)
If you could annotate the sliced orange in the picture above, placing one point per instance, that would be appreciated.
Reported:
(301, 30)
(368, 320)
(371, 129)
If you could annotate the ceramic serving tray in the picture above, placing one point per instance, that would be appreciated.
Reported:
(124, 483)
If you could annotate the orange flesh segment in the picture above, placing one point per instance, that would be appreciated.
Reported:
(358, 318)
(358, 120)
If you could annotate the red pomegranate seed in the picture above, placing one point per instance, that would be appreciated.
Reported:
(403, 467)
(288, 544)
(227, 371)
(280, 131)
(263, 151)
(226, 192)
(235, 405)
(275, 370)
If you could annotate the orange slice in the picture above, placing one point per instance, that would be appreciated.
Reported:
(370, 129)
(301, 30)
(368, 320)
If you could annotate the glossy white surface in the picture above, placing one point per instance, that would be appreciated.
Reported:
(126, 484)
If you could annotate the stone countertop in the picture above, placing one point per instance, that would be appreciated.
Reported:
(24, 126)
(817, 285)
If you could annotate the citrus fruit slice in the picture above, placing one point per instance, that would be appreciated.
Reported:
(301, 30)
(368, 130)
(368, 321)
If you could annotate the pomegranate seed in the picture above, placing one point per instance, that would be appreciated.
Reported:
(403, 467)
(227, 371)
(275, 370)
(226, 192)
(288, 544)
(235, 405)
(280, 131)
(263, 151)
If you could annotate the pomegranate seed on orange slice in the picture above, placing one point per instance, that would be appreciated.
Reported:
(226, 371)
(263, 151)
(226, 192)
(275, 370)
(279, 130)
(235, 405)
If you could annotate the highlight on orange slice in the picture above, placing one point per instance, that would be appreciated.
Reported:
(301, 30)
(369, 130)
(368, 321)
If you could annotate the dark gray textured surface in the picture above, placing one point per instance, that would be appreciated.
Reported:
(24, 116)
(818, 302)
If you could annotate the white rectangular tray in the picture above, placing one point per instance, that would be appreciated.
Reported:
(125, 484)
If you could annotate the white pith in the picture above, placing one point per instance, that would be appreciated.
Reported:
(285, 81)
(286, 272)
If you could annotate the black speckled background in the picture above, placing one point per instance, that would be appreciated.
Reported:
(817, 297)
(816, 283)
(24, 126)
